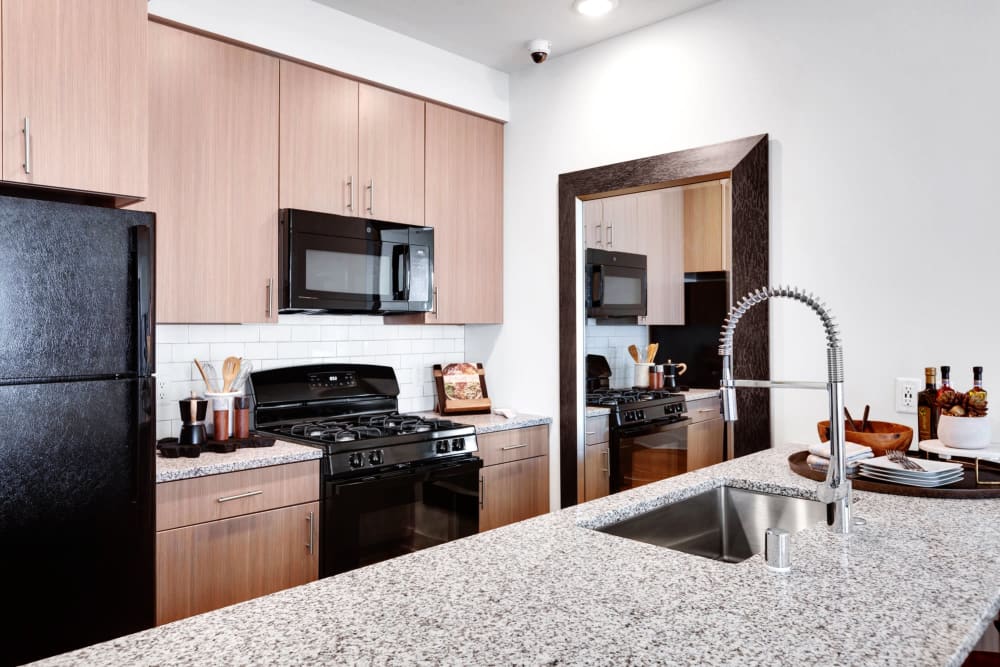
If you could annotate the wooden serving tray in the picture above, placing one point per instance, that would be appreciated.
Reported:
(967, 488)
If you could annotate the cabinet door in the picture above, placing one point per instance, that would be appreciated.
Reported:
(621, 229)
(597, 471)
(704, 236)
(75, 72)
(213, 178)
(593, 224)
(705, 443)
(219, 563)
(319, 140)
(513, 491)
(464, 172)
(391, 155)
(660, 216)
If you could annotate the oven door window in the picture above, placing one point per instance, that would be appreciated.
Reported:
(370, 520)
(648, 454)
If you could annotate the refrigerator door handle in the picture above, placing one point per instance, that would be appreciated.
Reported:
(143, 444)
(144, 258)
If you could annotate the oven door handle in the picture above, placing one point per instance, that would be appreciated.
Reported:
(424, 472)
(641, 429)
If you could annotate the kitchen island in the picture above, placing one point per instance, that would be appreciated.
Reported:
(918, 584)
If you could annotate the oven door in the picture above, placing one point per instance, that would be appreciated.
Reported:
(648, 453)
(375, 518)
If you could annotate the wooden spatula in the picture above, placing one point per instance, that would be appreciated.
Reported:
(634, 351)
(651, 352)
(230, 369)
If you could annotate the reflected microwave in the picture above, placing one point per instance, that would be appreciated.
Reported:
(337, 263)
(616, 284)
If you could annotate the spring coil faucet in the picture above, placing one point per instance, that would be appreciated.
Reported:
(836, 490)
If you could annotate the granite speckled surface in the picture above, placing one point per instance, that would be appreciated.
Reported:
(171, 470)
(597, 412)
(695, 394)
(550, 590)
(491, 423)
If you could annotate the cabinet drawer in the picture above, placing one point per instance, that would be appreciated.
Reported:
(513, 445)
(597, 429)
(190, 501)
(704, 409)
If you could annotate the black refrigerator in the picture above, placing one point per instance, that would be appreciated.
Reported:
(76, 426)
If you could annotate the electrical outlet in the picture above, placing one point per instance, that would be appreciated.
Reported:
(906, 395)
(161, 389)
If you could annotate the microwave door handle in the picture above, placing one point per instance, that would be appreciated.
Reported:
(597, 286)
(398, 262)
(406, 273)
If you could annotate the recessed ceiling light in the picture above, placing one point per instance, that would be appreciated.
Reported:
(594, 7)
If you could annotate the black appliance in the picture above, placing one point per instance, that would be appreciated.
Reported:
(615, 285)
(335, 263)
(598, 373)
(706, 305)
(77, 417)
(390, 484)
(648, 435)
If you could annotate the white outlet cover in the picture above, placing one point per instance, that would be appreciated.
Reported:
(906, 395)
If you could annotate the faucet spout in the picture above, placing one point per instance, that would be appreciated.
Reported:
(836, 489)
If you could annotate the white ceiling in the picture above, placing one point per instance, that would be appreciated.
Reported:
(495, 32)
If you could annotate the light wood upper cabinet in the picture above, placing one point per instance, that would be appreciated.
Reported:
(611, 224)
(593, 224)
(319, 141)
(75, 73)
(706, 228)
(213, 178)
(390, 156)
(660, 215)
(464, 205)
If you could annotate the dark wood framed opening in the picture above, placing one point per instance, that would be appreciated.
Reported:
(745, 163)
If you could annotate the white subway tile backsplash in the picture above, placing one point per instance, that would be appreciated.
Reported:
(305, 339)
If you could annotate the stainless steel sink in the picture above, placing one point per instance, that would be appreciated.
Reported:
(725, 523)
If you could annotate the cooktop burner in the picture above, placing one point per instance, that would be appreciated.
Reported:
(610, 397)
(364, 427)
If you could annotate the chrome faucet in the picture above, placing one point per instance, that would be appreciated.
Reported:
(836, 490)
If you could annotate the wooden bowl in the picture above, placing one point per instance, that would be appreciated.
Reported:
(882, 437)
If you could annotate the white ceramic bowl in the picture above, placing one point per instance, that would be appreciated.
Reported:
(964, 432)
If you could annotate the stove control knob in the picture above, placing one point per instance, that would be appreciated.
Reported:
(356, 459)
(458, 444)
(442, 447)
(641, 414)
(375, 457)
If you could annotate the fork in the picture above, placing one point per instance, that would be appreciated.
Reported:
(899, 457)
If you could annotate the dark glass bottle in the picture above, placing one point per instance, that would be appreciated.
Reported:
(977, 383)
(945, 380)
(927, 413)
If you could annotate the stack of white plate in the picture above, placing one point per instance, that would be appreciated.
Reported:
(935, 473)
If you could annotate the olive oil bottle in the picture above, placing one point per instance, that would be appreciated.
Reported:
(927, 411)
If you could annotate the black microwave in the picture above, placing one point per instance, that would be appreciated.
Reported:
(336, 263)
(616, 284)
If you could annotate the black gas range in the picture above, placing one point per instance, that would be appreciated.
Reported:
(390, 483)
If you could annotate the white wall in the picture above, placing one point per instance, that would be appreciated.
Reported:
(316, 33)
(884, 143)
(302, 339)
(611, 341)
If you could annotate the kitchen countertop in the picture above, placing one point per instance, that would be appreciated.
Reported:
(695, 394)
(171, 470)
(490, 423)
(918, 584)
(597, 412)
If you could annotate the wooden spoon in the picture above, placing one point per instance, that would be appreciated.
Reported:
(651, 352)
(634, 351)
(230, 369)
(851, 426)
(204, 375)
(864, 419)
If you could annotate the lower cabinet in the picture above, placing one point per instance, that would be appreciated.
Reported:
(223, 539)
(514, 480)
(706, 434)
(597, 458)
(219, 563)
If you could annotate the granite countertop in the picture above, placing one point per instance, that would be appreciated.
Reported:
(597, 411)
(490, 423)
(171, 470)
(695, 394)
(918, 584)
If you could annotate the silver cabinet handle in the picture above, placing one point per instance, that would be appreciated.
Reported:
(27, 145)
(350, 193)
(434, 309)
(270, 291)
(597, 235)
(607, 465)
(706, 410)
(590, 432)
(371, 196)
(611, 234)
(482, 491)
(509, 447)
(226, 499)
(310, 543)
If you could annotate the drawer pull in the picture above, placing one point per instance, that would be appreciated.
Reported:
(310, 542)
(482, 491)
(591, 432)
(706, 410)
(226, 499)
(504, 449)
